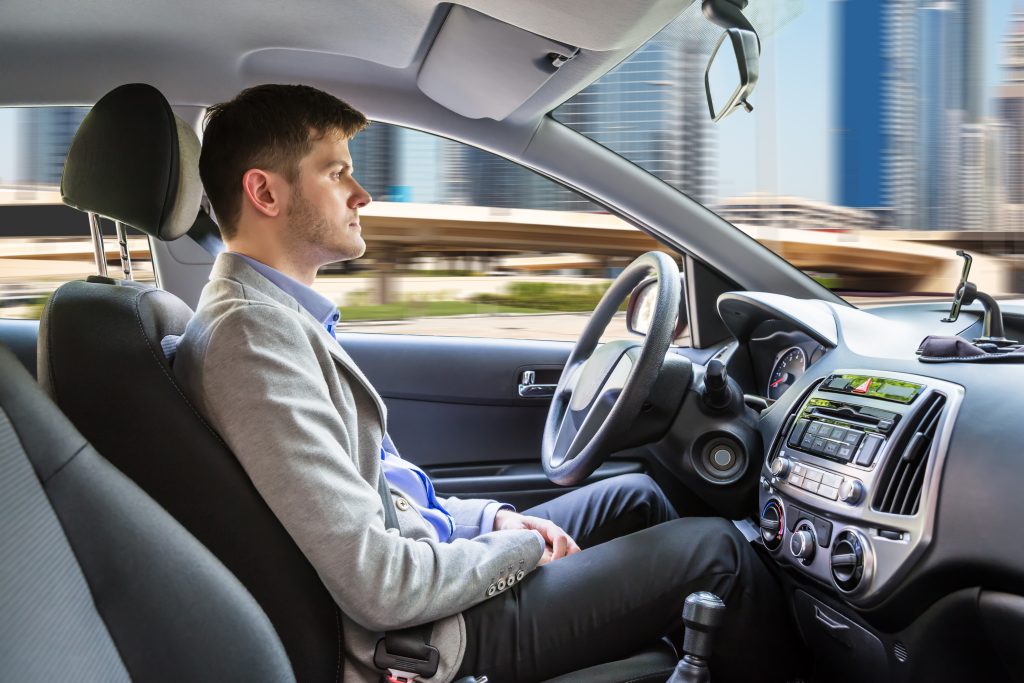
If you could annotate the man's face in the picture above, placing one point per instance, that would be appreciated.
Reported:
(323, 210)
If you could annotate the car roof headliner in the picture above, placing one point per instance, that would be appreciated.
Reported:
(368, 52)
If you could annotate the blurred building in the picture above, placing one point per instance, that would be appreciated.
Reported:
(983, 176)
(899, 158)
(374, 158)
(1009, 107)
(795, 213)
(861, 106)
(652, 110)
(909, 102)
(44, 135)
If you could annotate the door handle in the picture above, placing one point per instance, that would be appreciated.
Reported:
(528, 388)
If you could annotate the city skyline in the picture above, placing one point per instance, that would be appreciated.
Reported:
(684, 149)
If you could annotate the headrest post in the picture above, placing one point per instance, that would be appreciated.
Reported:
(122, 241)
(97, 243)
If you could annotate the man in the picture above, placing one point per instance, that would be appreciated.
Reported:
(261, 360)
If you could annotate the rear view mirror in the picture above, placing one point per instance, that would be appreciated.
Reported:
(731, 73)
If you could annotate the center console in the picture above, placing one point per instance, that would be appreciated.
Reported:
(849, 486)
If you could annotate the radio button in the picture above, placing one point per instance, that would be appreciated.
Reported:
(813, 475)
(828, 491)
(852, 438)
(819, 444)
(807, 443)
(838, 433)
(831, 448)
(868, 450)
(798, 431)
(829, 479)
(812, 429)
(846, 452)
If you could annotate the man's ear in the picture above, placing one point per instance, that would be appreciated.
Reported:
(263, 192)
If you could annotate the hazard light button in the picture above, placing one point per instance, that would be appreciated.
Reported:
(862, 388)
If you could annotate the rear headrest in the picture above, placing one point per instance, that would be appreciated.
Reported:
(134, 161)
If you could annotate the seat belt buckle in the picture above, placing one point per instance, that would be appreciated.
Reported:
(404, 669)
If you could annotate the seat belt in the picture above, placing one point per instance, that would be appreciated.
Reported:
(406, 654)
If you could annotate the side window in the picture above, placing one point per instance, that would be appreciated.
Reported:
(461, 242)
(43, 243)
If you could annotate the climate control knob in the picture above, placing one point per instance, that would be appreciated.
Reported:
(772, 521)
(851, 491)
(781, 467)
(801, 544)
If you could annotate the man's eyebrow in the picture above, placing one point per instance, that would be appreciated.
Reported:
(344, 163)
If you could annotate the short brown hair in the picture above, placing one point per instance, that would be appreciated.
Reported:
(269, 127)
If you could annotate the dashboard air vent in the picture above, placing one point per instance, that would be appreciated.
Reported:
(899, 486)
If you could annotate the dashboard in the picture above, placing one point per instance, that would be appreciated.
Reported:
(890, 489)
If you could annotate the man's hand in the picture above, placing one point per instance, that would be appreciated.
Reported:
(558, 543)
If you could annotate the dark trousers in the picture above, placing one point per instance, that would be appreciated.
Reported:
(626, 589)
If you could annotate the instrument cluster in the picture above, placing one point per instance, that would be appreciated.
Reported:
(781, 357)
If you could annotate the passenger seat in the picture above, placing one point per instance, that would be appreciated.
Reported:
(97, 582)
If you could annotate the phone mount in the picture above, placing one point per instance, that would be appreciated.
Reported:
(966, 294)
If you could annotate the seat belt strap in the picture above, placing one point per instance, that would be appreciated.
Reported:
(390, 516)
(406, 653)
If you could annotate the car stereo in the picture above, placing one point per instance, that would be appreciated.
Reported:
(849, 485)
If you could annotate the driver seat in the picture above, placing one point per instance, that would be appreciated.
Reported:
(102, 359)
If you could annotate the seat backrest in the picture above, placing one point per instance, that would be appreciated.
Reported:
(97, 582)
(100, 359)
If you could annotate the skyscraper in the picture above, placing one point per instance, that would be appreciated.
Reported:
(45, 134)
(652, 110)
(861, 134)
(899, 160)
(942, 112)
(909, 100)
(1009, 107)
(374, 157)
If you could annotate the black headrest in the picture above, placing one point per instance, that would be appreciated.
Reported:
(134, 161)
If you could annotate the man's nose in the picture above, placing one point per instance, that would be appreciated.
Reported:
(359, 197)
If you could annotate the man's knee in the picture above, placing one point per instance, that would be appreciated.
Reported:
(645, 493)
(714, 540)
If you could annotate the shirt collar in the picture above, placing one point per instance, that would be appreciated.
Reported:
(318, 306)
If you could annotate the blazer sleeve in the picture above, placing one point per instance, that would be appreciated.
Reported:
(265, 391)
(473, 516)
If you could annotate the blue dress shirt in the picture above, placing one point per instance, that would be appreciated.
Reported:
(400, 474)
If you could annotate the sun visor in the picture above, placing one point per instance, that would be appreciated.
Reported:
(480, 67)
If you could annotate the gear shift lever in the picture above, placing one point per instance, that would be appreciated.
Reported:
(702, 615)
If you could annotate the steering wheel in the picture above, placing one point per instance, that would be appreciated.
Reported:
(602, 390)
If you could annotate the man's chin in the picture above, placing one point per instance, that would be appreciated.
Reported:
(350, 251)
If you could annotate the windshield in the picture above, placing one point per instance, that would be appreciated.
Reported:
(884, 136)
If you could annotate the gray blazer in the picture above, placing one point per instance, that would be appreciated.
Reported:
(306, 426)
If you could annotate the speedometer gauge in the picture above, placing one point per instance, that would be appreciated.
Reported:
(789, 367)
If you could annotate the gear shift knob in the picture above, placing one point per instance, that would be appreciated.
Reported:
(702, 615)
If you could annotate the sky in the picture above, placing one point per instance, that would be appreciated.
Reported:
(793, 104)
